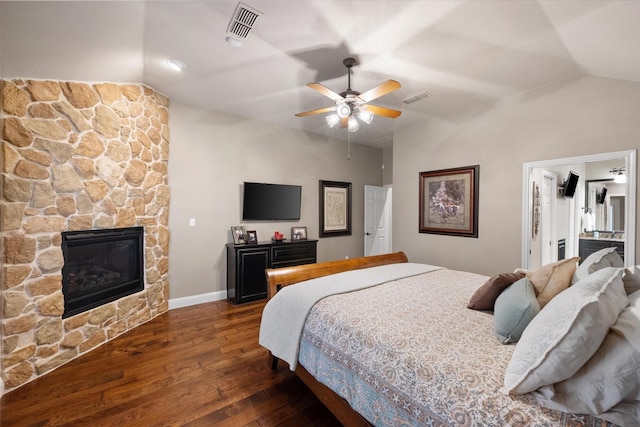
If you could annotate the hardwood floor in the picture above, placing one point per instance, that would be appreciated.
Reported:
(193, 366)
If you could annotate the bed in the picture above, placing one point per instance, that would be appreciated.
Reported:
(400, 348)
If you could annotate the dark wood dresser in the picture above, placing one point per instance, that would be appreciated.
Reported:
(246, 263)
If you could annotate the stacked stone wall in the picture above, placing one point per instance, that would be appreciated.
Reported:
(76, 156)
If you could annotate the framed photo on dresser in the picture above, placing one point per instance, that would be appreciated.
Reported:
(239, 234)
(298, 233)
(252, 237)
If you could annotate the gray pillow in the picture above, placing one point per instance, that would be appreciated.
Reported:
(514, 309)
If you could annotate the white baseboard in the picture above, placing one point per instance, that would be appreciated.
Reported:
(196, 299)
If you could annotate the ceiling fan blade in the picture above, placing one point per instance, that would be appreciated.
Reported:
(380, 90)
(383, 111)
(323, 90)
(318, 111)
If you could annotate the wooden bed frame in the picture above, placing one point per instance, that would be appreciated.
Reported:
(280, 277)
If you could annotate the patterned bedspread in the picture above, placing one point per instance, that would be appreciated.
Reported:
(409, 353)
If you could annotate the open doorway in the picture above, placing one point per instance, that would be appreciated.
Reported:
(590, 167)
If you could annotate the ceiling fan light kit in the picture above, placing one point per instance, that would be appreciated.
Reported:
(350, 104)
(365, 115)
(343, 110)
(353, 124)
(332, 120)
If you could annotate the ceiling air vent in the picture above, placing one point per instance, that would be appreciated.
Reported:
(242, 22)
(417, 97)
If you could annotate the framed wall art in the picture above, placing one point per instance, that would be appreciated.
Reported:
(535, 220)
(335, 208)
(448, 201)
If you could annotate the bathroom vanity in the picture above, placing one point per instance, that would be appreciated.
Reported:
(589, 244)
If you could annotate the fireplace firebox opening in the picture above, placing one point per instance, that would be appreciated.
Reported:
(101, 266)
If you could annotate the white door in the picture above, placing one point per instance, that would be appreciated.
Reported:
(377, 220)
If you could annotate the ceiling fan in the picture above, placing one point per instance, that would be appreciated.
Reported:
(350, 104)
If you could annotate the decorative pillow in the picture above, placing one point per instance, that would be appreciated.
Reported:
(631, 279)
(484, 298)
(567, 332)
(628, 324)
(607, 257)
(551, 279)
(515, 307)
(609, 377)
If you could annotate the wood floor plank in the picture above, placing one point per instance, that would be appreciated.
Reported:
(195, 366)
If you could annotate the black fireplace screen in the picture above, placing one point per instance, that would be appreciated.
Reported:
(101, 266)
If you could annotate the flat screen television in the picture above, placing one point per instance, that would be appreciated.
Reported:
(602, 196)
(271, 202)
(569, 186)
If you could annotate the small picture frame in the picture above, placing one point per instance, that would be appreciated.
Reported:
(298, 233)
(239, 234)
(252, 237)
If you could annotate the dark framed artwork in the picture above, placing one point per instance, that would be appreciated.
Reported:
(335, 208)
(449, 201)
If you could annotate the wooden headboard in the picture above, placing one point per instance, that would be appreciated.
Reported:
(285, 276)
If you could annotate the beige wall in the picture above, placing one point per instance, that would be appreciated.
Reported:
(387, 162)
(212, 154)
(581, 116)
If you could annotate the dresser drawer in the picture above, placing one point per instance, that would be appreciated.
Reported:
(293, 254)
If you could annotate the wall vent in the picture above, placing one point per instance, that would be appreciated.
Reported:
(417, 97)
(242, 22)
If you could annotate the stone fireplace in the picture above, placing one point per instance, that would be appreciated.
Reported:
(100, 266)
(77, 157)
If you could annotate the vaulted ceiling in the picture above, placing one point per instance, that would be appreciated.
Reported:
(466, 54)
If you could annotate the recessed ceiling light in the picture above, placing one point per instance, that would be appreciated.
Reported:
(176, 65)
(233, 41)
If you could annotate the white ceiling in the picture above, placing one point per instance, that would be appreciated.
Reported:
(467, 54)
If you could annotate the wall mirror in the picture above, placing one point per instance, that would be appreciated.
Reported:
(553, 226)
(606, 200)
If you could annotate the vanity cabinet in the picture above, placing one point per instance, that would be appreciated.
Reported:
(246, 264)
(589, 246)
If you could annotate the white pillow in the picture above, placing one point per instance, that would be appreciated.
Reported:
(631, 279)
(628, 324)
(609, 377)
(607, 257)
(566, 332)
